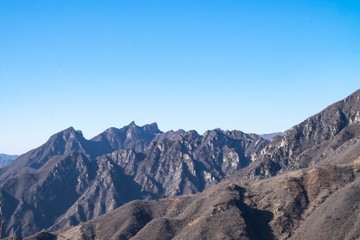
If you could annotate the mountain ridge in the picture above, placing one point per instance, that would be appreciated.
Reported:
(319, 139)
(67, 140)
(312, 161)
(174, 163)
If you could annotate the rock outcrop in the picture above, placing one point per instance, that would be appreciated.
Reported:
(331, 136)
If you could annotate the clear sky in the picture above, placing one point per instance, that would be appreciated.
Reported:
(257, 66)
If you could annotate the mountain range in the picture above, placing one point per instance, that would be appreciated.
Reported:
(6, 159)
(270, 136)
(87, 178)
(139, 182)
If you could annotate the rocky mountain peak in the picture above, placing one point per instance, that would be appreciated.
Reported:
(191, 134)
(354, 96)
(60, 143)
(153, 127)
(150, 128)
(130, 136)
(132, 127)
(69, 134)
(213, 133)
(70, 129)
(67, 140)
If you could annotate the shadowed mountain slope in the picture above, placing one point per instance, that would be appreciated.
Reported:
(186, 217)
(282, 207)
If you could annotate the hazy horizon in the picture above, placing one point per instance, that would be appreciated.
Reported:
(255, 66)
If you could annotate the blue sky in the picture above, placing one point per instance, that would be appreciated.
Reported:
(257, 66)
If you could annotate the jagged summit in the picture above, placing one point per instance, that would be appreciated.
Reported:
(69, 139)
(153, 127)
(130, 136)
(60, 143)
(115, 167)
(68, 134)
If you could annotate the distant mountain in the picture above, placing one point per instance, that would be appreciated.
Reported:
(6, 159)
(69, 140)
(270, 136)
(131, 136)
(66, 173)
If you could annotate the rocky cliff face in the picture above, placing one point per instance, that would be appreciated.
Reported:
(327, 137)
(189, 164)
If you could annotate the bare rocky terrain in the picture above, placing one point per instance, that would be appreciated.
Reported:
(295, 205)
(84, 181)
(140, 183)
(331, 136)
